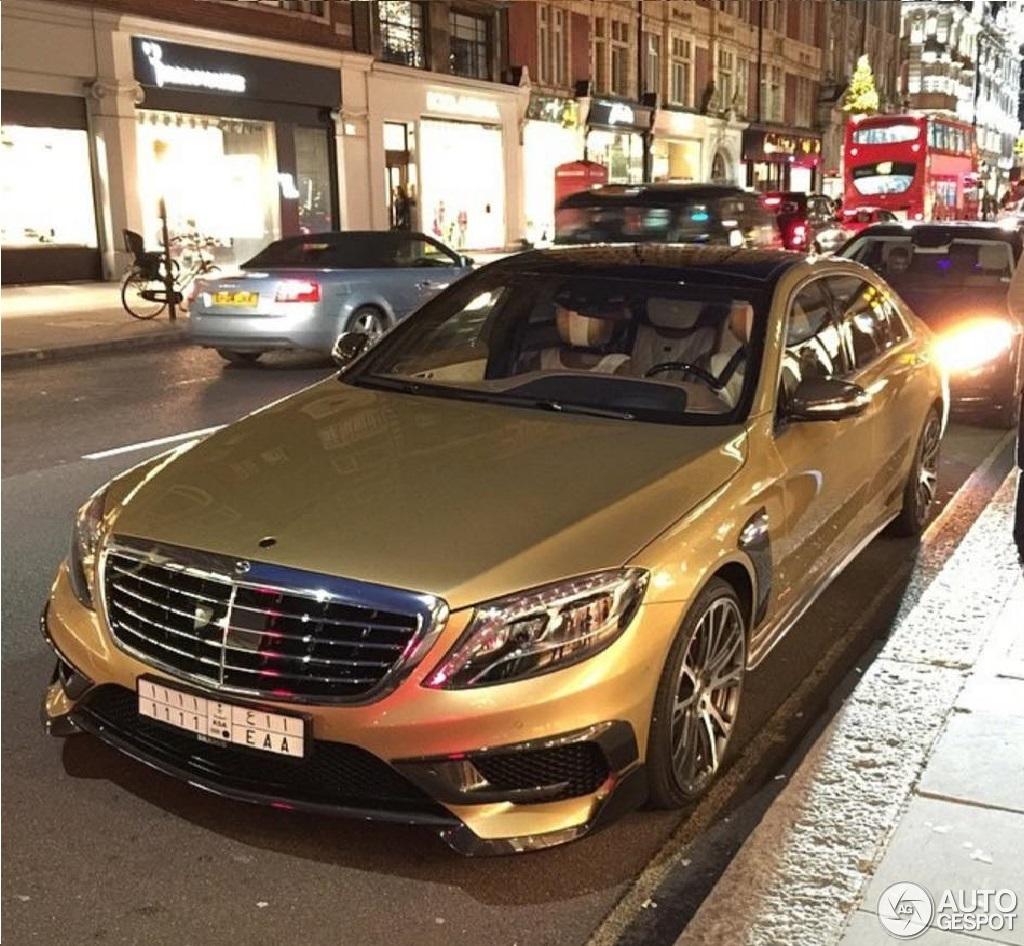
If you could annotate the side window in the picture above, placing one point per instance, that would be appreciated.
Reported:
(419, 251)
(870, 319)
(814, 344)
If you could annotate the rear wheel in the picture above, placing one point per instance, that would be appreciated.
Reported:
(132, 287)
(920, 489)
(698, 698)
(239, 357)
(370, 321)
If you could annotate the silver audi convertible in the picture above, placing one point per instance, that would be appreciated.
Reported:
(303, 292)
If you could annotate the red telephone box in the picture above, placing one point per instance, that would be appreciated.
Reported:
(570, 179)
(578, 176)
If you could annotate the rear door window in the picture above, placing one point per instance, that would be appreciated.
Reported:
(870, 319)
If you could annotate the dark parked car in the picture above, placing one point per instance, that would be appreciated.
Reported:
(955, 276)
(665, 213)
(806, 221)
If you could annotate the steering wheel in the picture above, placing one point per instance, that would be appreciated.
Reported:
(684, 366)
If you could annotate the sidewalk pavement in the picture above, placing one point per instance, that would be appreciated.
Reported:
(918, 780)
(73, 319)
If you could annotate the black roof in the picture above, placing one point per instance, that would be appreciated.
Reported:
(679, 262)
(650, 194)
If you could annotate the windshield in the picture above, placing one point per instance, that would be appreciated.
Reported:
(884, 177)
(959, 264)
(626, 348)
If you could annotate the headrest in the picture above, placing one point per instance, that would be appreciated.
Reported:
(583, 331)
(741, 321)
(675, 314)
(993, 257)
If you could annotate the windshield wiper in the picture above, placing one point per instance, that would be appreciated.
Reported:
(436, 390)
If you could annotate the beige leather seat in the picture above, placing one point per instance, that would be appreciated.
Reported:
(680, 330)
(584, 347)
(731, 358)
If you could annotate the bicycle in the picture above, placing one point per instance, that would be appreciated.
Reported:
(144, 286)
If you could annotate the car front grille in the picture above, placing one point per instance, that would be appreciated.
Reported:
(279, 634)
(581, 766)
(334, 774)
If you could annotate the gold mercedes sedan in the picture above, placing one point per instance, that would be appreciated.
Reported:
(505, 573)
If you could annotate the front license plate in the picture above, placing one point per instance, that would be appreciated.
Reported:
(223, 722)
(236, 298)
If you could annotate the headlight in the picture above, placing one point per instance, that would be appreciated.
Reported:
(542, 629)
(974, 344)
(85, 540)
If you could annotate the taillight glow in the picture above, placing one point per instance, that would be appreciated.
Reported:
(799, 234)
(298, 290)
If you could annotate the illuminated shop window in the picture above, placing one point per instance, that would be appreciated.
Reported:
(218, 177)
(46, 188)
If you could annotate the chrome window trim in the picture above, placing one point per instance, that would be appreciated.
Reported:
(431, 612)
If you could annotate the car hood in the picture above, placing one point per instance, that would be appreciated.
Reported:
(464, 500)
(941, 307)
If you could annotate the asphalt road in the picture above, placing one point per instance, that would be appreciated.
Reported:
(97, 848)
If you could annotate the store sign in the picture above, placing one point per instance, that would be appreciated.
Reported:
(550, 108)
(469, 106)
(779, 146)
(611, 114)
(169, 73)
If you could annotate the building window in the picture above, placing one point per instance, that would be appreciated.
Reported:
(652, 63)
(681, 74)
(726, 76)
(560, 47)
(401, 32)
(778, 17)
(771, 93)
(469, 46)
(620, 58)
(313, 8)
(600, 70)
(544, 44)
(742, 85)
(807, 18)
(804, 102)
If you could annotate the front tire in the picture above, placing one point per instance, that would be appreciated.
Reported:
(239, 357)
(919, 491)
(698, 698)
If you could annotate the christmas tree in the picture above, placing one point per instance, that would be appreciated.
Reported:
(861, 96)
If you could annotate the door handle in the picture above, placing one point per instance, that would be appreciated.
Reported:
(430, 284)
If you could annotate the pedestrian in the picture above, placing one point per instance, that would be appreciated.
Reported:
(402, 209)
(1015, 301)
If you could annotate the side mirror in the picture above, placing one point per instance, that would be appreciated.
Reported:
(826, 399)
(348, 347)
(467, 261)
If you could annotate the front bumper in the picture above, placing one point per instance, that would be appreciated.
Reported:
(498, 770)
(988, 386)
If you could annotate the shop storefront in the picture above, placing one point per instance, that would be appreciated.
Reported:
(690, 148)
(552, 137)
(48, 213)
(240, 148)
(617, 133)
(781, 159)
(448, 158)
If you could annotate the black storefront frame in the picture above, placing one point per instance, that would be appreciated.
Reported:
(50, 263)
(601, 117)
(290, 95)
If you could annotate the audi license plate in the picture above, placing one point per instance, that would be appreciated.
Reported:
(214, 721)
(231, 297)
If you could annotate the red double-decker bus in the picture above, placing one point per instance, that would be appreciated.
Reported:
(917, 167)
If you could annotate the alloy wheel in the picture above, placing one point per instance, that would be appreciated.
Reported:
(928, 466)
(707, 694)
(370, 323)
